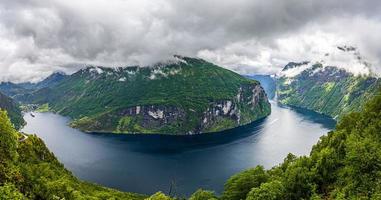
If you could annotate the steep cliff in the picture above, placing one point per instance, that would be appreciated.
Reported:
(182, 96)
(268, 82)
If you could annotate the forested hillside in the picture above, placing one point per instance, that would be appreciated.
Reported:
(14, 112)
(183, 96)
(325, 89)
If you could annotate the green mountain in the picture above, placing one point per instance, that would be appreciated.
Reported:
(12, 109)
(11, 89)
(14, 89)
(184, 96)
(324, 89)
(49, 81)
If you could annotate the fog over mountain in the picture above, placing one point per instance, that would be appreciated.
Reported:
(38, 37)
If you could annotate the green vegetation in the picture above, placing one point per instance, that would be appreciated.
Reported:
(43, 108)
(329, 91)
(203, 195)
(238, 186)
(159, 196)
(345, 164)
(29, 171)
(98, 99)
(13, 110)
(220, 124)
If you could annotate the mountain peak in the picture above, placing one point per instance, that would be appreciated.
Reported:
(292, 65)
(346, 48)
(343, 57)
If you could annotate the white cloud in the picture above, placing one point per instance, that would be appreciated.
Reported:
(248, 36)
(314, 43)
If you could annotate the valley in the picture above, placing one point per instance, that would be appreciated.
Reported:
(190, 100)
(148, 163)
(215, 123)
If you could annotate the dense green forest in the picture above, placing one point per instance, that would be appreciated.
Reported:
(345, 164)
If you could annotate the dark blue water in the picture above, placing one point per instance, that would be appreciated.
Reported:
(150, 163)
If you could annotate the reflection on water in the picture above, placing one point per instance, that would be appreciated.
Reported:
(149, 163)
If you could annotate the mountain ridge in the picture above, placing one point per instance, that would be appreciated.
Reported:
(325, 89)
(13, 89)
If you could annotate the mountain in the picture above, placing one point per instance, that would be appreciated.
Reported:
(183, 96)
(334, 84)
(12, 89)
(268, 82)
(49, 81)
(325, 89)
(12, 109)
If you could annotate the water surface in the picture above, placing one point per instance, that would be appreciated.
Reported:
(150, 163)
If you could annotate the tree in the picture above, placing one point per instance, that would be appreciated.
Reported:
(159, 196)
(9, 191)
(238, 186)
(270, 191)
(203, 195)
(8, 138)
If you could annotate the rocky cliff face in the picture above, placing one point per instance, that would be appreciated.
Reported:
(249, 104)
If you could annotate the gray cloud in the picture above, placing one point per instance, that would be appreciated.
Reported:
(40, 36)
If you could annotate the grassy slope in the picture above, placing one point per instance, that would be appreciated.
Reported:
(88, 97)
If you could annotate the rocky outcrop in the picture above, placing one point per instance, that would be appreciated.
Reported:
(154, 116)
(250, 104)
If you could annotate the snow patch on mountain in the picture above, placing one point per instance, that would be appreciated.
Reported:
(123, 79)
(293, 71)
(342, 57)
(97, 70)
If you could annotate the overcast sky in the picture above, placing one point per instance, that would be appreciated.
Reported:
(247, 36)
